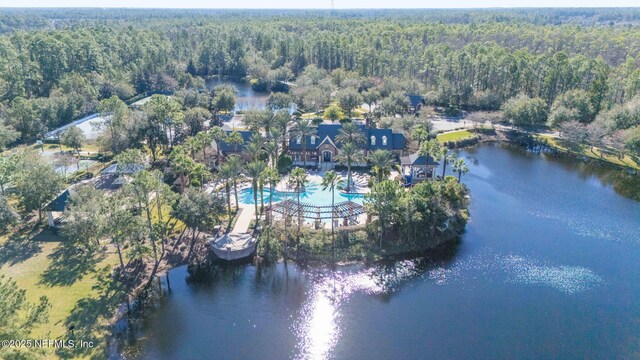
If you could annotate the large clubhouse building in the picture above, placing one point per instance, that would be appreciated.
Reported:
(322, 148)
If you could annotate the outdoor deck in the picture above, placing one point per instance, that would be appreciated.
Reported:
(234, 246)
(239, 243)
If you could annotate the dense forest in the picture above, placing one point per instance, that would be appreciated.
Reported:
(564, 66)
(157, 184)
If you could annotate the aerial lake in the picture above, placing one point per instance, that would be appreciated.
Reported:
(548, 268)
(246, 97)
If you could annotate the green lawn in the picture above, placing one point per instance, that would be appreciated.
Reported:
(586, 151)
(455, 135)
(78, 286)
(310, 115)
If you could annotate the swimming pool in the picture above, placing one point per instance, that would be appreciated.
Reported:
(313, 194)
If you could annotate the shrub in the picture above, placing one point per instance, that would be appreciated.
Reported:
(80, 175)
(284, 163)
(453, 111)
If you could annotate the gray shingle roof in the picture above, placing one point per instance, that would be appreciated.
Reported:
(415, 100)
(395, 141)
(417, 159)
(59, 204)
(123, 169)
(246, 138)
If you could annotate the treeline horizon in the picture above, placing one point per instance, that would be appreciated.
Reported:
(16, 18)
(551, 61)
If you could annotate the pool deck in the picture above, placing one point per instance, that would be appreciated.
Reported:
(234, 246)
(239, 242)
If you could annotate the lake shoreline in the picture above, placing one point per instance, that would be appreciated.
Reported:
(534, 142)
(464, 261)
(343, 256)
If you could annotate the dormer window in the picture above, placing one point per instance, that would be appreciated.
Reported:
(384, 141)
(373, 140)
(298, 140)
(313, 140)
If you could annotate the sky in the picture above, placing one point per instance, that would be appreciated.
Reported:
(317, 4)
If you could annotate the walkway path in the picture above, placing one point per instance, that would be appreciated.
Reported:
(247, 213)
(238, 243)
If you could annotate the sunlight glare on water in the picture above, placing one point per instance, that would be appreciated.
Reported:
(518, 269)
(319, 327)
(318, 335)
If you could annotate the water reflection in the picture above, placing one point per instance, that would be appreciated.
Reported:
(319, 333)
(318, 328)
(547, 267)
(625, 182)
(489, 265)
(246, 97)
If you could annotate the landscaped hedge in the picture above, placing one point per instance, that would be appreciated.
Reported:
(462, 143)
(484, 130)
(80, 175)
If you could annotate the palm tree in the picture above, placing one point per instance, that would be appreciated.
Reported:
(261, 186)
(298, 179)
(200, 172)
(235, 163)
(381, 162)
(204, 139)
(253, 170)
(447, 159)
(350, 133)
(218, 135)
(271, 176)
(420, 134)
(460, 166)
(271, 148)
(254, 147)
(431, 148)
(331, 180)
(303, 129)
(181, 163)
(281, 124)
(349, 154)
(267, 119)
(440, 152)
(253, 120)
(235, 138)
(260, 119)
(193, 145)
(226, 173)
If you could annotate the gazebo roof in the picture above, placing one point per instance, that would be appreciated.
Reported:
(417, 159)
(127, 169)
(59, 204)
(309, 211)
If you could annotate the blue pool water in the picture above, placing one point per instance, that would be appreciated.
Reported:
(313, 194)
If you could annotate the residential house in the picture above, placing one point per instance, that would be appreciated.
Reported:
(224, 149)
(416, 102)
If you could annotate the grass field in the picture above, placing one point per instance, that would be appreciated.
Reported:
(310, 115)
(78, 285)
(586, 151)
(455, 135)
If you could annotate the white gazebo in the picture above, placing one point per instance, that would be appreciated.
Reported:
(416, 168)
